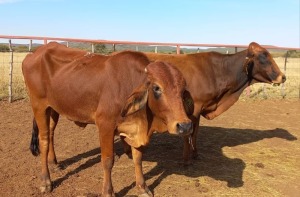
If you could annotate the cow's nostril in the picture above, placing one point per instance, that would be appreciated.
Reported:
(184, 127)
(283, 78)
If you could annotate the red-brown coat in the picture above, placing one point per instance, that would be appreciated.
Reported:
(124, 94)
(216, 80)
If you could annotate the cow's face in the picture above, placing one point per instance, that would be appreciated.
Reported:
(166, 95)
(262, 66)
(163, 92)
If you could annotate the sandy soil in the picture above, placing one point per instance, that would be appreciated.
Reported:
(251, 150)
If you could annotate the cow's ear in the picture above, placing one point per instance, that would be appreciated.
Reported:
(188, 103)
(136, 101)
(253, 49)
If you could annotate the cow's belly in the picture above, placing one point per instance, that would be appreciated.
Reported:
(76, 107)
(78, 112)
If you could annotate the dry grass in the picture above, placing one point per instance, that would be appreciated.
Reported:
(291, 88)
(18, 86)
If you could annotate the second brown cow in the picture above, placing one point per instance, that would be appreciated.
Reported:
(216, 80)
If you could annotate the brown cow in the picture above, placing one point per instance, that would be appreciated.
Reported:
(216, 80)
(124, 94)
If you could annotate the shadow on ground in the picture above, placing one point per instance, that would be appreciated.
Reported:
(166, 151)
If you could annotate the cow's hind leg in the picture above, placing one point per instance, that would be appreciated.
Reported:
(34, 144)
(42, 117)
(54, 116)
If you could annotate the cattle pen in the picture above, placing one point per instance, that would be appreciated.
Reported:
(253, 149)
(13, 50)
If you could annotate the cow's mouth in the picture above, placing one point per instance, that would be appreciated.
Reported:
(276, 84)
(279, 80)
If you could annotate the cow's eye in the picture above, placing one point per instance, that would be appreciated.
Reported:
(157, 91)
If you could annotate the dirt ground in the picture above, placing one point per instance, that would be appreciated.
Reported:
(251, 150)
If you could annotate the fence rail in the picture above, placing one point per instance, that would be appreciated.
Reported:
(12, 85)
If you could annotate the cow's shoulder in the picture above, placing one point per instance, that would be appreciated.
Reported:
(59, 53)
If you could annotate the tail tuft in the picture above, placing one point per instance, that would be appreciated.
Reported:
(34, 144)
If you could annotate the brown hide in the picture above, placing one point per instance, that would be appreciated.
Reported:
(121, 93)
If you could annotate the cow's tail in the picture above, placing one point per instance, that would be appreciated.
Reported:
(34, 144)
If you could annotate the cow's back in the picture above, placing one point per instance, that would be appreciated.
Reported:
(50, 55)
(44, 62)
(77, 84)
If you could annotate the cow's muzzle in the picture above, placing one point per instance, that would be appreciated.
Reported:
(184, 128)
(281, 79)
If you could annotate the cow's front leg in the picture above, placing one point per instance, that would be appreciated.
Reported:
(140, 181)
(54, 116)
(190, 143)
(193, 141)
(107, 160)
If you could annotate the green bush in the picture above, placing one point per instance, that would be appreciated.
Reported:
(20, 48)
(4, 48)
(100, 48)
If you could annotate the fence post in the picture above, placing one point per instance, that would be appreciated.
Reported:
(299, 90)
(93, 48)
(155, 49)
(10, 72)
(136, 48)
(264, 91)
(178, 49)
(284, 71)
(30, 46)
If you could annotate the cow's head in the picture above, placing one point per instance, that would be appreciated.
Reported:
(262, 67)
(163, 95)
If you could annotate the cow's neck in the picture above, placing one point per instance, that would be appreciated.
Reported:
(238, 76)
(232, 80)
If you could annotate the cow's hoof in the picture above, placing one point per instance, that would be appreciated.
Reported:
(107, 194)
(148, 194)
(144, 191)
(185, 163)
(46, 188)
(195, 155)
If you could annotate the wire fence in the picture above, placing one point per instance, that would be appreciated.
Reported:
(12, 86)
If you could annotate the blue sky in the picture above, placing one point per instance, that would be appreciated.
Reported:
(270, 22)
